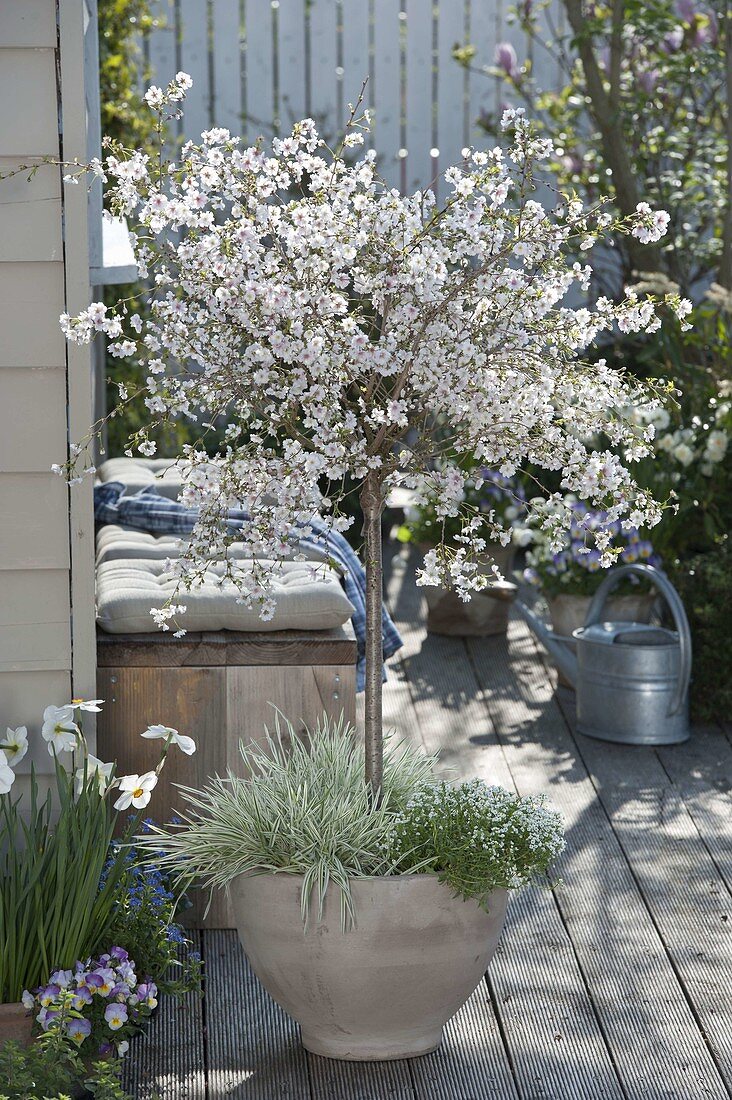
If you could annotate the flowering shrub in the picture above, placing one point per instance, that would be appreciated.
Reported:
(705, 585)
(109, 1004)
(477, 838)
(320, 316)
(577, 567)
(690, 468)
(52, 863)
(486, 493)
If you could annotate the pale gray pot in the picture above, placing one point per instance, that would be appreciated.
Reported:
(385, 988)
(478, 617)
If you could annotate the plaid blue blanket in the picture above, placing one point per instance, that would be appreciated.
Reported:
(149, 511)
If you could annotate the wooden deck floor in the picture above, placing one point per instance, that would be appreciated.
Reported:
(615, 986)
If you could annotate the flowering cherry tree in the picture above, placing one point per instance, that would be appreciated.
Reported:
(328, 324)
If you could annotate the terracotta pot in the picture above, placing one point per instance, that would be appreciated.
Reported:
(16, 1023)
(477, 617)
(385, 988)
(567, 613)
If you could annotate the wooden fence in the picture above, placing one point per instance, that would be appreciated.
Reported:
(258, 65)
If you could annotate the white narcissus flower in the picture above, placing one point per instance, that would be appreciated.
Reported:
(136, 790)
(185, 744)
(59, 729)
(95, 768)
(15, 745)
(91, 705)
(7, 775)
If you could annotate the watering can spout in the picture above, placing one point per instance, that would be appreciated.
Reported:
(562, 656)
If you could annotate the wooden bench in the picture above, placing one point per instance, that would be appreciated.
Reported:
(218, 688)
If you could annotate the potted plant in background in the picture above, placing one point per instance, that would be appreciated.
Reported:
(85, 932)
(486, 493)
(569, 577)
(332, 324)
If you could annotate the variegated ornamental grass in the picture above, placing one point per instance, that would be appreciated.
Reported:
(305, 810)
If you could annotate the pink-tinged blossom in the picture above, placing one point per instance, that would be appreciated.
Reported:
(507, 60)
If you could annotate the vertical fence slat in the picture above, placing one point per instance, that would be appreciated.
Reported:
(481, 87)
(355, 50)
(323, 82)
(227, 65)
(298, 57)
(194, 61)
(291, 47)
(161, 43)
(259, 74)
(452, 85)
(387, 92)
(419, 95)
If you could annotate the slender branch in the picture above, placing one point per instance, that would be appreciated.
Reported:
(606, 114)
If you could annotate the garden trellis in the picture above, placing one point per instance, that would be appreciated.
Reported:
(258, 65)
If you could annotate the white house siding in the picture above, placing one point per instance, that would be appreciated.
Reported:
(46, 539)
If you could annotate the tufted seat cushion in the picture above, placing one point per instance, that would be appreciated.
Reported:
(161, 474)
(308, 598)
(114, 542)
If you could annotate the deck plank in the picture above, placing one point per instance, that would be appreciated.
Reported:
(334, 1080)
(701, 769)
(685, 895)
(167, 1062)
(555, 1045)
(253, 1047)
(657, 1046)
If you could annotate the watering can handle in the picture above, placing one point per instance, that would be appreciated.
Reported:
(663, 584)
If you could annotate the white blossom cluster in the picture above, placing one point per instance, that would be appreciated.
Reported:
(478, 837)
(702, 442)
(328, 322)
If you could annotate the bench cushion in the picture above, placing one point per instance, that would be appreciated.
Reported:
(308, 598)
(161, 474)
(115, 542)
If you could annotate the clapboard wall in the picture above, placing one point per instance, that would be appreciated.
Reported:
(257, 65)
(46, 533)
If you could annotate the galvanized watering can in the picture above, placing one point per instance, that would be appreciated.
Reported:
(632, 680)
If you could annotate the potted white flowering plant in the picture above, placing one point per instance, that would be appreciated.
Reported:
(328, 323)
(62, 880)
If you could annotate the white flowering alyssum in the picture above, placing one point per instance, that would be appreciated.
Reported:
(477, 838)
(325, 323)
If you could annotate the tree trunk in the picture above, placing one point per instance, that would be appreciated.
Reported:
(724, 276)
(605, 112)
(372, 503)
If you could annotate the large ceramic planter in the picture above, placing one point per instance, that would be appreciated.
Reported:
(385, 988)
(567, 613)
(479, 616)
(16, 1024)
